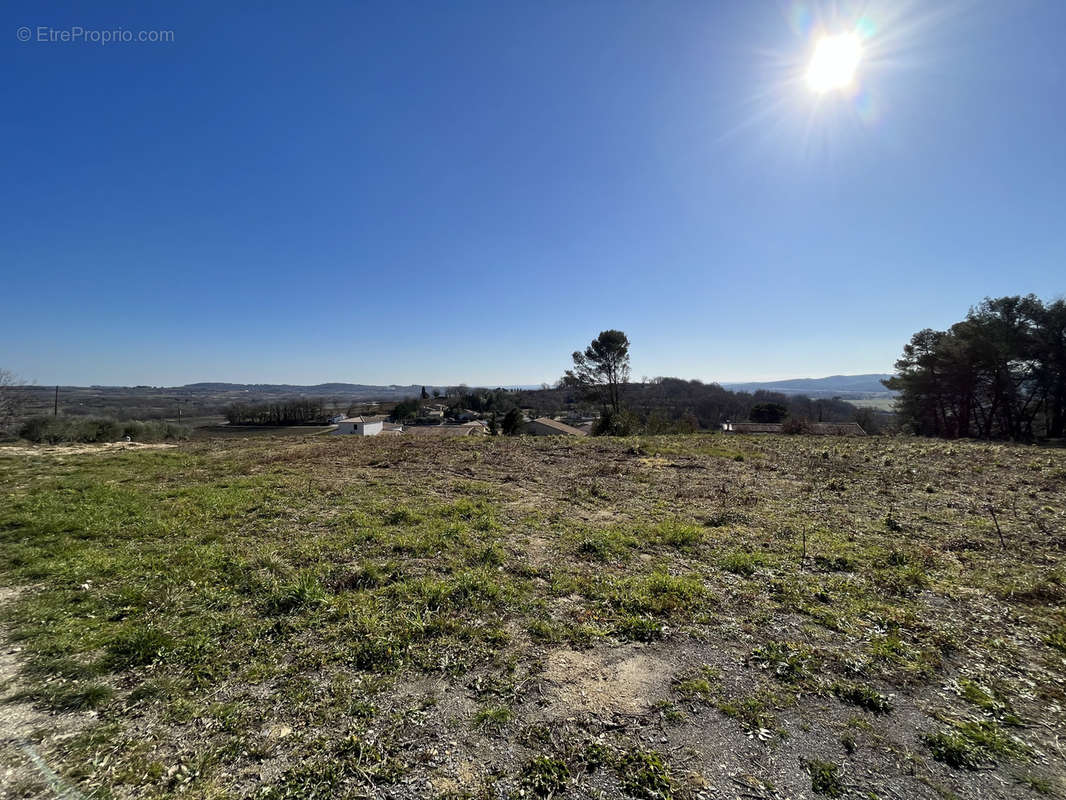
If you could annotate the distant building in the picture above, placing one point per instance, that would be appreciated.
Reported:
(545, 426)
(815, 428)
(752, 427)
(361, 426)
(448, 431)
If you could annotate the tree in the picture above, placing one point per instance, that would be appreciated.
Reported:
(768, 412)
(602, 370)
(425, 394)
(406, 409)
(10, 398)
(999, 373)
(513, 422)
(494, 426)
(1049, 348)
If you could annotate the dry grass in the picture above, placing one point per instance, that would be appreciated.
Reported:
(677, 616)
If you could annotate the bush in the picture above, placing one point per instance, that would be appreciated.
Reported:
(89, 430)
(620, 423)
(796, 426)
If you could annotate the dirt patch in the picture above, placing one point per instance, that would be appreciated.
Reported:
(621, 680)
(78, 449)
(24, 730)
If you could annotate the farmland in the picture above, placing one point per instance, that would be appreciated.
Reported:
(685, 616)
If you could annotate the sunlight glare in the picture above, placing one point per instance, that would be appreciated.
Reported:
(834, 62)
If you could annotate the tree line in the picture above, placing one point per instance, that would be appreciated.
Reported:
(600, 377)
(298, 411)
(998, 374)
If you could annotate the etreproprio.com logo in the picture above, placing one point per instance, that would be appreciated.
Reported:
(76, 34)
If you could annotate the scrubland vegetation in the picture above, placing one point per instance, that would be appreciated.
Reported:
(55, 430)
(647, 617)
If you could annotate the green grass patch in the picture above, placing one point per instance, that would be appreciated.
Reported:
(742, 562)
(645, 774)
(863, 697)
(972, 744)
(674, 533)
(825, 778)
(545, 776)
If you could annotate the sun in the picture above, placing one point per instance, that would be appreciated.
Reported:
(834, 63)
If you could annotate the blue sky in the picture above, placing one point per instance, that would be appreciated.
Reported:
(435, 192)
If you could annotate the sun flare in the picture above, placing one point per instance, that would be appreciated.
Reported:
(833, 65)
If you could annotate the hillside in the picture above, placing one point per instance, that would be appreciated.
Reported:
(844, 386)
(667, 617)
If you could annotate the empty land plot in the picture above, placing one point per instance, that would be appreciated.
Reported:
(680, 616)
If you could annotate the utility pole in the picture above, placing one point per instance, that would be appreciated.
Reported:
(55, 408)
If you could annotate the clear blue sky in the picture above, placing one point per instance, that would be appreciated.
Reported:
(436, 192)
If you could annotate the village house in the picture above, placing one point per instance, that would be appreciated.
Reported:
(546, 426)
(445, 431)
(816, 428)
(361, 426)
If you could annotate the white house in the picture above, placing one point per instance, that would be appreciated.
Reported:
(361, 426)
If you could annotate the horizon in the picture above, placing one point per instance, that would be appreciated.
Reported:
(481, 188)
(428, 386)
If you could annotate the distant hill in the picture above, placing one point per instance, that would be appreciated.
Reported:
(359, 389)
(844, 386)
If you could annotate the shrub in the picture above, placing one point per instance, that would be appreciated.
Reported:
(616, 423)
(91, 430)
(794, 426)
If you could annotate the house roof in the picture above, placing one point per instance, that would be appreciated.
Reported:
(821, 428)
(555, 425)
(838, 428)
(443, 430)
(380, 418)
(756, 427)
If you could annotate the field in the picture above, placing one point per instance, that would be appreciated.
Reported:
(694, 617)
